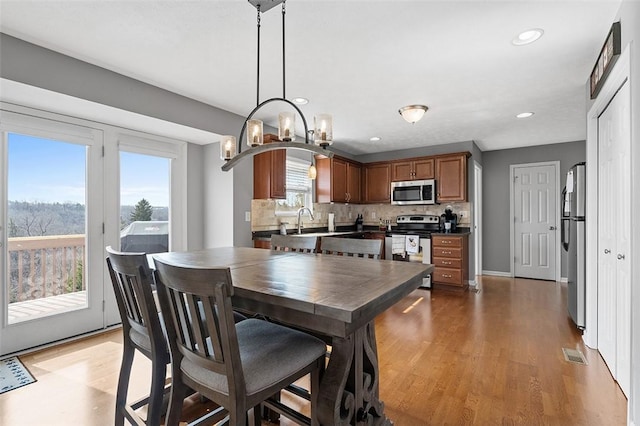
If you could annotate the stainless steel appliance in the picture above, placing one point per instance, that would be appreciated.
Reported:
(573, 241)
(401, 237)
(413, 192)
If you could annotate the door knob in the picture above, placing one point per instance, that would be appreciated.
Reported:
(607, 251)
(620, 256)
(552, 228)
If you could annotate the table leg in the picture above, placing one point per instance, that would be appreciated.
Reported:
(349, 391)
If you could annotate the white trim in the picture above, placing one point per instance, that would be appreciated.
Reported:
(564, 280)
(477, 219)
(620, 73)
(512, 169)
(498, 273)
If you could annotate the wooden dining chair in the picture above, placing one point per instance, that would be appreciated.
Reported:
(142, 331)
(351, 247)
(293, 243)
(238, 366)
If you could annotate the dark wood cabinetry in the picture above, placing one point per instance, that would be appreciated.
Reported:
(413, 169)
(345, 181)
(377, 183)
(450, 255)
(339, 180)
(270, 173)
(451, 177)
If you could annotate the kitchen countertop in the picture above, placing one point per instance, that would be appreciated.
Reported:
(318, 232)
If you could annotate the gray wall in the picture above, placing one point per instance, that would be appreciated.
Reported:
(496, 198)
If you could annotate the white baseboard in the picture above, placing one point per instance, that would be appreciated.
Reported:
(564, 279)
(497, 273)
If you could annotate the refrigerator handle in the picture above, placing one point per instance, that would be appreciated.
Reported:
(564, 232)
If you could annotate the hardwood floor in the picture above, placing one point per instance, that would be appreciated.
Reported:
(488, 358)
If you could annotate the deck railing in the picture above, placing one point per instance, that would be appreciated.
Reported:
(45, 266)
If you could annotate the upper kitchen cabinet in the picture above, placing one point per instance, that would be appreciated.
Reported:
(413, 169)
(270, 172)
(377, 182)
(339, 180)
(451, 177)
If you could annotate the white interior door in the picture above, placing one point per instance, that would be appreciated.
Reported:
(51, 208)
(535, 195)
(614, 223)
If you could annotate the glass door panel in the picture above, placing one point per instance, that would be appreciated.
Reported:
(144, 203)
(50, 236)
(46, 227)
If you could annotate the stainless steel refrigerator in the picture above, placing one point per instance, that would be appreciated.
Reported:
(573, 241)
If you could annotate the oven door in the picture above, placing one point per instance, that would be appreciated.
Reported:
(424, 257)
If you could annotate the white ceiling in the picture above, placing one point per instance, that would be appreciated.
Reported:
(358, 60)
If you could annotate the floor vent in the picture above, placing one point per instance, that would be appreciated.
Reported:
(574, 355)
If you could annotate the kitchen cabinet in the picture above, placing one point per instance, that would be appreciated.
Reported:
(338, 180)
(263, 244)
(270, 173)
(451, 177)
(413, 169)
(450, 255)
(377, 182)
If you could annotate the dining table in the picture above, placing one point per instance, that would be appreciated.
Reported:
(334, 296)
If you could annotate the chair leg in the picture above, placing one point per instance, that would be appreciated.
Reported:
(257, 418)
(178, 394)
(316, 376)
(158, 375)
(123, 382)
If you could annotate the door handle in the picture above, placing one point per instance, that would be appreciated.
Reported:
(620, 256)
(607, 251)
(552, 228)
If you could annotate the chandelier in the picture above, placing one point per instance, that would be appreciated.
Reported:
(322, 133)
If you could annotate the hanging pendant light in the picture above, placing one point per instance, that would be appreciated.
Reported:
(286, 120)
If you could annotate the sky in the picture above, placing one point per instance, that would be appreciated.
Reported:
(46, 170)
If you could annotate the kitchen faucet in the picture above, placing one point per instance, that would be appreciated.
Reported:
(300, 211)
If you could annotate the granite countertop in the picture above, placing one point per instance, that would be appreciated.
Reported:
(316, 232)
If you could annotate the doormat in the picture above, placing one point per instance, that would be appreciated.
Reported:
(574, 355)
(13, 375)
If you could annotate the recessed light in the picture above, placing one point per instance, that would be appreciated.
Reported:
(375, 138)
(524, 115)
(300, 101)
(528, 36)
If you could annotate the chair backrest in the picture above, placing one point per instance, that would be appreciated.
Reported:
(351, 247)
(132, 282)
(211, 342)
(300, 244)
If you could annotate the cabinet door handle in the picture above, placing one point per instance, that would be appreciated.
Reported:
(607, 251)
(446, 252)
(620, 256)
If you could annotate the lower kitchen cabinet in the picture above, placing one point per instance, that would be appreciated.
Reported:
(450, 255)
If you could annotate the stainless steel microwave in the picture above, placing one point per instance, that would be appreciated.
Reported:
(413, 192)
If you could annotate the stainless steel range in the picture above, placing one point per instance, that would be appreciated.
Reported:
(410, 240)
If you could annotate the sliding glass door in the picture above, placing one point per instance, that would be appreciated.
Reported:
(51, 236)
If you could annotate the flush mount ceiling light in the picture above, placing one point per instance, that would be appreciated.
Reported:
(527, 37)
(413, 113)
(524, 115)
(232, 153)
(300, 101)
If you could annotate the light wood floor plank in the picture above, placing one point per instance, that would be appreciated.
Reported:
(488, 358)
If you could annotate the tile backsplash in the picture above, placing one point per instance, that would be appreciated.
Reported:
(263, 216)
